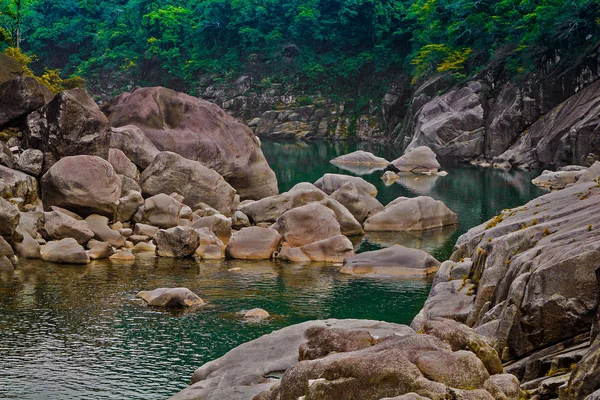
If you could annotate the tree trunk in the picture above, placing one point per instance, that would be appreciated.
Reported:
(18, 35)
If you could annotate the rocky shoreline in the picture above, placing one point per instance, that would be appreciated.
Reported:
(159, 172)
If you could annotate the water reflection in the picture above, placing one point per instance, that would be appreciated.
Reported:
(429, 240)
(419, 184)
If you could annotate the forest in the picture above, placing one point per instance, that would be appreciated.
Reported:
(326, 45)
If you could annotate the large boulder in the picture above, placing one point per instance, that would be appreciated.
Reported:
(411, 214)
(307, 224)
(132, 141)
(70, 125)
(360, 203)
(177, 242)
(170, 297)
(9, 218)
(66, 251)
(211, 247)
(360, 157)
(332, 250)
(246, 370)
(170, 172)
(200, 131)
(55, 225)
(329, 183)
(419, 160)
(83, 184)
(452, 125)
(15, 184)
(253, 243)
(395, 261)
(20, 96)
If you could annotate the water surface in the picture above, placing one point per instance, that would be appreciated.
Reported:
(78, 332)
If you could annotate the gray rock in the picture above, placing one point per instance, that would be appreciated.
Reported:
(592, 173)
(171, 297)
(55, 225)
(70, 125)
(419, 160)
(20, 96)
(247, 370)
(145, 230)
(15, 184)
(218, 224)
(239, 220)
(82, 184)
(199, 131)
(102, 232)
(6, 156)
(404, 214)
(333, 250)
(121, 164)
(253, 243)
(177, 242)
(132, 141)
(170, 172)
(129, 185)
(396, 261)
(161, 211)
(66, 251)
(29, 248)
(129, 205)
(30, 162)
(360, 203)
(9, 218)
(556, 180)
(329, 183)
(211, 247)
(100, 250)
(361, 157)
(307, 224)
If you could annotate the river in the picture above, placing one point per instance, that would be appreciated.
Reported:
(78, 332)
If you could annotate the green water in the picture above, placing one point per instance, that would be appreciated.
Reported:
(78, 332)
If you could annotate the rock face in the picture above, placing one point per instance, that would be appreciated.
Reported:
(396, 261)
(404, 214)
(20, 96)
(419, 160)
(70, 125)
(170, 172)
(563, 136)
(177, 242)
(253, 243)
(245, 371)
(556, 180)
(199, 131)
(171, 297)
(66, 251)
(528, 273)
(452, 125)
(329, 183)
(83, 184)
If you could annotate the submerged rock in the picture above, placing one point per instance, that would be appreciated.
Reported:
(395, 261)
(197, 130)
(414, 214)
(170, 297)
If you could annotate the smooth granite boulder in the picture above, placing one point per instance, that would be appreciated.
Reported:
(396, 261)
(171, 297)
(66, 251)
(333, 250)
(420, 160)
(197, 130)
(360, 203)
(360, 157)
(253, 243)
(83, 184)
(415, 214)
(307, 224)
(170, 172)
(329, 183)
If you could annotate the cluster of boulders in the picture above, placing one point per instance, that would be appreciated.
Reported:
(566, 176)
(529, 281)
(358, 359)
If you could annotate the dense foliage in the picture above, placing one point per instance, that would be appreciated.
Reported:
(327, 45)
